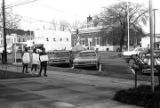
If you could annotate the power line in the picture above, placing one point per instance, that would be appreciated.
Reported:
(34, 19)
(62, 11)
(41, 21)
(21, 3)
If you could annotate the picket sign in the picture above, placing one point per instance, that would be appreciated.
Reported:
(43, 58)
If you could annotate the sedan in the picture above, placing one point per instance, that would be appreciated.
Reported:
(87, 58)
(60, 57)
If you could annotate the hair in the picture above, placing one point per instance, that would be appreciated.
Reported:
(43, 49)
(34, 50)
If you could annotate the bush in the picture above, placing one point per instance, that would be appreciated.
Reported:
(141, 96)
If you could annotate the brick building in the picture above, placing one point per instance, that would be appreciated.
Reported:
(92, 38)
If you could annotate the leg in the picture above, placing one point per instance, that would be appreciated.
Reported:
(41, 66)
(23, 68)
(32, 67)
(26, 68)
(35, 67)
(45, 70)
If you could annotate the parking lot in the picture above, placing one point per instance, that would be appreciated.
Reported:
(113, 65)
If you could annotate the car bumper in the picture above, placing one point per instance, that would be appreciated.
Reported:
(58, 62)
(85, 64)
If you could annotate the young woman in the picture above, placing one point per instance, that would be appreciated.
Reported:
(35, 61)
(25, 60)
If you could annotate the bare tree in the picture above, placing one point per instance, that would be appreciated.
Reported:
(64, 25)
(12, 20)
(116, 17)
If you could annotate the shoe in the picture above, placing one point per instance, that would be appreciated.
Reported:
(45, 75)
(39, 74)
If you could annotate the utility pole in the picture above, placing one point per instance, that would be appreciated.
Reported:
(128, 23)
(154, 28)
(4, 31)
(151, 45)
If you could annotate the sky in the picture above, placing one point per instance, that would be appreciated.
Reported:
(70, 10)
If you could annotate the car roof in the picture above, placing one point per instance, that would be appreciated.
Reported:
(59, 51)
(87, 51)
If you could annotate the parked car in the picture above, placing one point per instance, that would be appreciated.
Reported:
(86, 58)
(127, 55)
(60, 57)
(135, 51)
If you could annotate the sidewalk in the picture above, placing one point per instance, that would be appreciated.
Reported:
(61, 90)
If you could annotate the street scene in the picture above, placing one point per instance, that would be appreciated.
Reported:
(79, 54)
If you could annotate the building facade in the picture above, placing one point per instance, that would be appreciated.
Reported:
(13, 37)
(53, 39)
(145, 41)
(92, 38)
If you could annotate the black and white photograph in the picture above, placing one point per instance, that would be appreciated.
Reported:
(79, 54)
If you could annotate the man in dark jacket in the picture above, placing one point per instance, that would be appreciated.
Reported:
(43, 62)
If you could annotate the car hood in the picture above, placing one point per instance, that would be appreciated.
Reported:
(128, 52)
(79, 59)
(58, 58)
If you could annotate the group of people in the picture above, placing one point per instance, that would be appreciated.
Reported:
(35, 58)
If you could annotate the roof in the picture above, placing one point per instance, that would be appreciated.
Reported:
(58, 51)
(88, 51)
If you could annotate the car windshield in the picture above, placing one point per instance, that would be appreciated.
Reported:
(86, 54)
(61, 54)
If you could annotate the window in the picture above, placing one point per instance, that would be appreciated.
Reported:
(60, 39)
(54, 39)
(67, 39)
(47, 39)
(98, 40)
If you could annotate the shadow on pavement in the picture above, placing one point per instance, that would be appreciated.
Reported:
(13, 75)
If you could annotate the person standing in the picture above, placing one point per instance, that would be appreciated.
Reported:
(43, 62)
(3, 57)
(35, 61)
(25, 60)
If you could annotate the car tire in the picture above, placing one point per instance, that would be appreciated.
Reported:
(73, 66)
(97, 66)
(131, 62)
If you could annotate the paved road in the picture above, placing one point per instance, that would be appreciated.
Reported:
(62, 90)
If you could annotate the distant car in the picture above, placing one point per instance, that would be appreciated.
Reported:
(86, 58)
(133, 52)
(60, 57)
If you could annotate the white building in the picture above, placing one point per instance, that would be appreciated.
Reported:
(53, 39)
(145, 41)
(10, 39)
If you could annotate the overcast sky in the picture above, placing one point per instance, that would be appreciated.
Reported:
(69, 10)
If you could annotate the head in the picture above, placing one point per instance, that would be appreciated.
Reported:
(26, 49)
(34, 50)
(43, 49)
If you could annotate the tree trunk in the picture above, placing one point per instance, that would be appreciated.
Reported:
(122, 38)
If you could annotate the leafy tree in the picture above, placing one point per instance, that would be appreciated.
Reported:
(114, 18)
